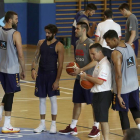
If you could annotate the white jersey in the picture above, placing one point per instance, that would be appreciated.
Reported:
(8, 52)
(103, 27)
(103, 71)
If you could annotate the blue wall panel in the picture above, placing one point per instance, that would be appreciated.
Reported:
(21, 10)
(32, 23)
(46, 16)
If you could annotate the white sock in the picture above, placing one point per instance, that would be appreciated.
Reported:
(7, 121)
(43, 121)
(138, 126)
(1, 111)
(96, 124)
(53, 122)
(73, 123)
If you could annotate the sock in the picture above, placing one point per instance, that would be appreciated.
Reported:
(1, 111)
(53, 122)
(7, 121)
(43, 121)
(138, 126)
(73, 124)
(96, 124)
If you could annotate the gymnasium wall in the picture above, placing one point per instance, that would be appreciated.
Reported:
(35, 14)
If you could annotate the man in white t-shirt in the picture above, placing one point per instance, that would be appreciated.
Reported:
(102, 95)
(102, 28)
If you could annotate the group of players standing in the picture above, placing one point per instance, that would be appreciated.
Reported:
(107, 59)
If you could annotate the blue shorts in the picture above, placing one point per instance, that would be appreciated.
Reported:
(131, 101)
(10, 82)
(136, 43)
(44, 82)
(81, 95)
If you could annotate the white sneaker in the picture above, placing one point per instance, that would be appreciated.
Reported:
(10, 129)
(41, 128)
(53, 129)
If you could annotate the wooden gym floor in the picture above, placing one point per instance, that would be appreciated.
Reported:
(26, 106)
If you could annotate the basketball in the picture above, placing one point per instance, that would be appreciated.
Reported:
(71, 66)
(86, 84)
(133, 46)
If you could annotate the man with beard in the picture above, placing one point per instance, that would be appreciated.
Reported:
(83, 16)
(81, 95)
(50, 51)
(11, 55)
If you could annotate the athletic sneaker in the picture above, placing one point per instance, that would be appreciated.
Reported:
(41, 128)
(10, 129)
(69, 130)
(53, 129)
(94, 132)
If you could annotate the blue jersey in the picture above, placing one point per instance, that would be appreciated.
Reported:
(77, 18)
(48, 59)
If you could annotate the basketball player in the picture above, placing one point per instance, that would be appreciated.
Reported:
(131, 27)
(83, 16)
(11, 55)
(102, 95)
(81, 95)
(125, 80)
(102, 28)
(50, 51)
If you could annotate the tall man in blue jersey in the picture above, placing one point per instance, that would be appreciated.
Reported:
(50, 51)
(83, 16)
(125, 80)
(11, 55)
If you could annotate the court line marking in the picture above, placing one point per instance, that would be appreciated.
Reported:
(67, 124)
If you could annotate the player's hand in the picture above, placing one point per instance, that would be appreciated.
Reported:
(33, 74)
(55, 85)
(22, 75)
(76, 72)
(121, 102)
(82, 75)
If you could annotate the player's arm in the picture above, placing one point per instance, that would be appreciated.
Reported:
(94, 80)
(60, 51)
(116, 57)
(35, 60)
(132, 37)
(18, 43)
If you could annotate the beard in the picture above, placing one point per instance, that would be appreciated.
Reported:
(50, 38)
(14, 26)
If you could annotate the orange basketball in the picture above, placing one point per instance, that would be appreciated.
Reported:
(133, 46)
(71, 66)
(86, 84)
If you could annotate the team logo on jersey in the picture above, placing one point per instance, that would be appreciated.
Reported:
(130, 62)
(3, 45)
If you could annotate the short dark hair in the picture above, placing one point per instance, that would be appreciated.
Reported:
(53, 29)
(83, 25)
(124, 6)
(97, 46)
(9, 15)
(133, 134)
(90, 7)
(108, 13)
(110, 34)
